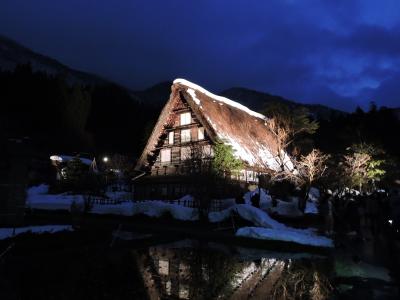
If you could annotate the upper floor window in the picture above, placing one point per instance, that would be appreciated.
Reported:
(165, 155)
(171, 137)
(163, 267)
(185, 118)
(185, 135)
(200, 133)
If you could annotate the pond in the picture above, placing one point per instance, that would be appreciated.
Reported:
(61, 267)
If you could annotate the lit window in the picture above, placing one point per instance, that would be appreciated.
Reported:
(171, 137)
(163, 267)
(185, 135)
(185, 153)
(185, 118)
(200, 133)
(207, 151)
(168, 287)
(165, 155)
(183, 291)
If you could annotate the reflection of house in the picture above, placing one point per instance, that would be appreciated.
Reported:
(166, 273)
(186, 273)
(191, 122)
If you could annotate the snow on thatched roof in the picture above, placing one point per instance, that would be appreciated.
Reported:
(224, 120)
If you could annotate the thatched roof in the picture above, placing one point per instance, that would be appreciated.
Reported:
(224, 120)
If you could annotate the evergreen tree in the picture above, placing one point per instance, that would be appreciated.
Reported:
(224, 161)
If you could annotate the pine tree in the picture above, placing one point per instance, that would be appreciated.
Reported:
(224, 160)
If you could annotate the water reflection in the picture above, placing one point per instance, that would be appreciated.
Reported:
(44, 267)
(193, 270)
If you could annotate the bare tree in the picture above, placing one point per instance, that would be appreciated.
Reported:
(287, 126)
(282, 140)
(307, 170)
(356, 168)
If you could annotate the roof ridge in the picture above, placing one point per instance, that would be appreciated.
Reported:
(219, 98)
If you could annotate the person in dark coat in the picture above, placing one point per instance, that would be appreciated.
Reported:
(326, 210)
(255, 200)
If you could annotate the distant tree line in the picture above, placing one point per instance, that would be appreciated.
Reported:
(60, 115)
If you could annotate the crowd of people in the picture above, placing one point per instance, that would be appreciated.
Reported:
(365, 215)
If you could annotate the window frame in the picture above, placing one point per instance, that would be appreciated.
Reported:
(189, 131)
(185, 118)
(200, 132)
(171, 137)
(161, 155)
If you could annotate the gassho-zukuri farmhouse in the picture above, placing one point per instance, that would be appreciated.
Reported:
(191, 122)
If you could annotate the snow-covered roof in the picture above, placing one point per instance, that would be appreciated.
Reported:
(66, 158)
(236, 125)
(221, 99)
(224, 120)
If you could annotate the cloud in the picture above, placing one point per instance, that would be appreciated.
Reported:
(335, 52)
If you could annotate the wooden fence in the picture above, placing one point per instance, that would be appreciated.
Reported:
(108, 201)
(215, 205)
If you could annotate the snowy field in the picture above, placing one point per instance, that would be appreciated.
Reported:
(264, 226)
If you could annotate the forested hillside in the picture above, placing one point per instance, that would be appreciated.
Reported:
(60, 116)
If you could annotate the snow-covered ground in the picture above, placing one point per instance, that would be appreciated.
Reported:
(250, 213)
(38, 198)
(10, 232)
(266, 227)
(285, 208)
(159, 208)
(299, 236)
(153, 208)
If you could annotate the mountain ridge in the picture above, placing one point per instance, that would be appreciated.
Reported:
(12, 54)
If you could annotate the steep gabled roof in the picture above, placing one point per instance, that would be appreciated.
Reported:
(224, 120)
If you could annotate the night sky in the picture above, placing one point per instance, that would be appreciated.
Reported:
(340, 53)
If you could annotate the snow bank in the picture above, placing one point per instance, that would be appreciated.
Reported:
(304, 237)
(287, 209)
(158, 208)
(36, 199)
(38, 190)
(282, 208)
(268, 228)
(250, 213)
(311, 208)
(9, 232)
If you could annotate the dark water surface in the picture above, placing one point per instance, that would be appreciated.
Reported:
(61, 266)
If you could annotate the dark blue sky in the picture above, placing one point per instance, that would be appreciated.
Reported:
(336, 52)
